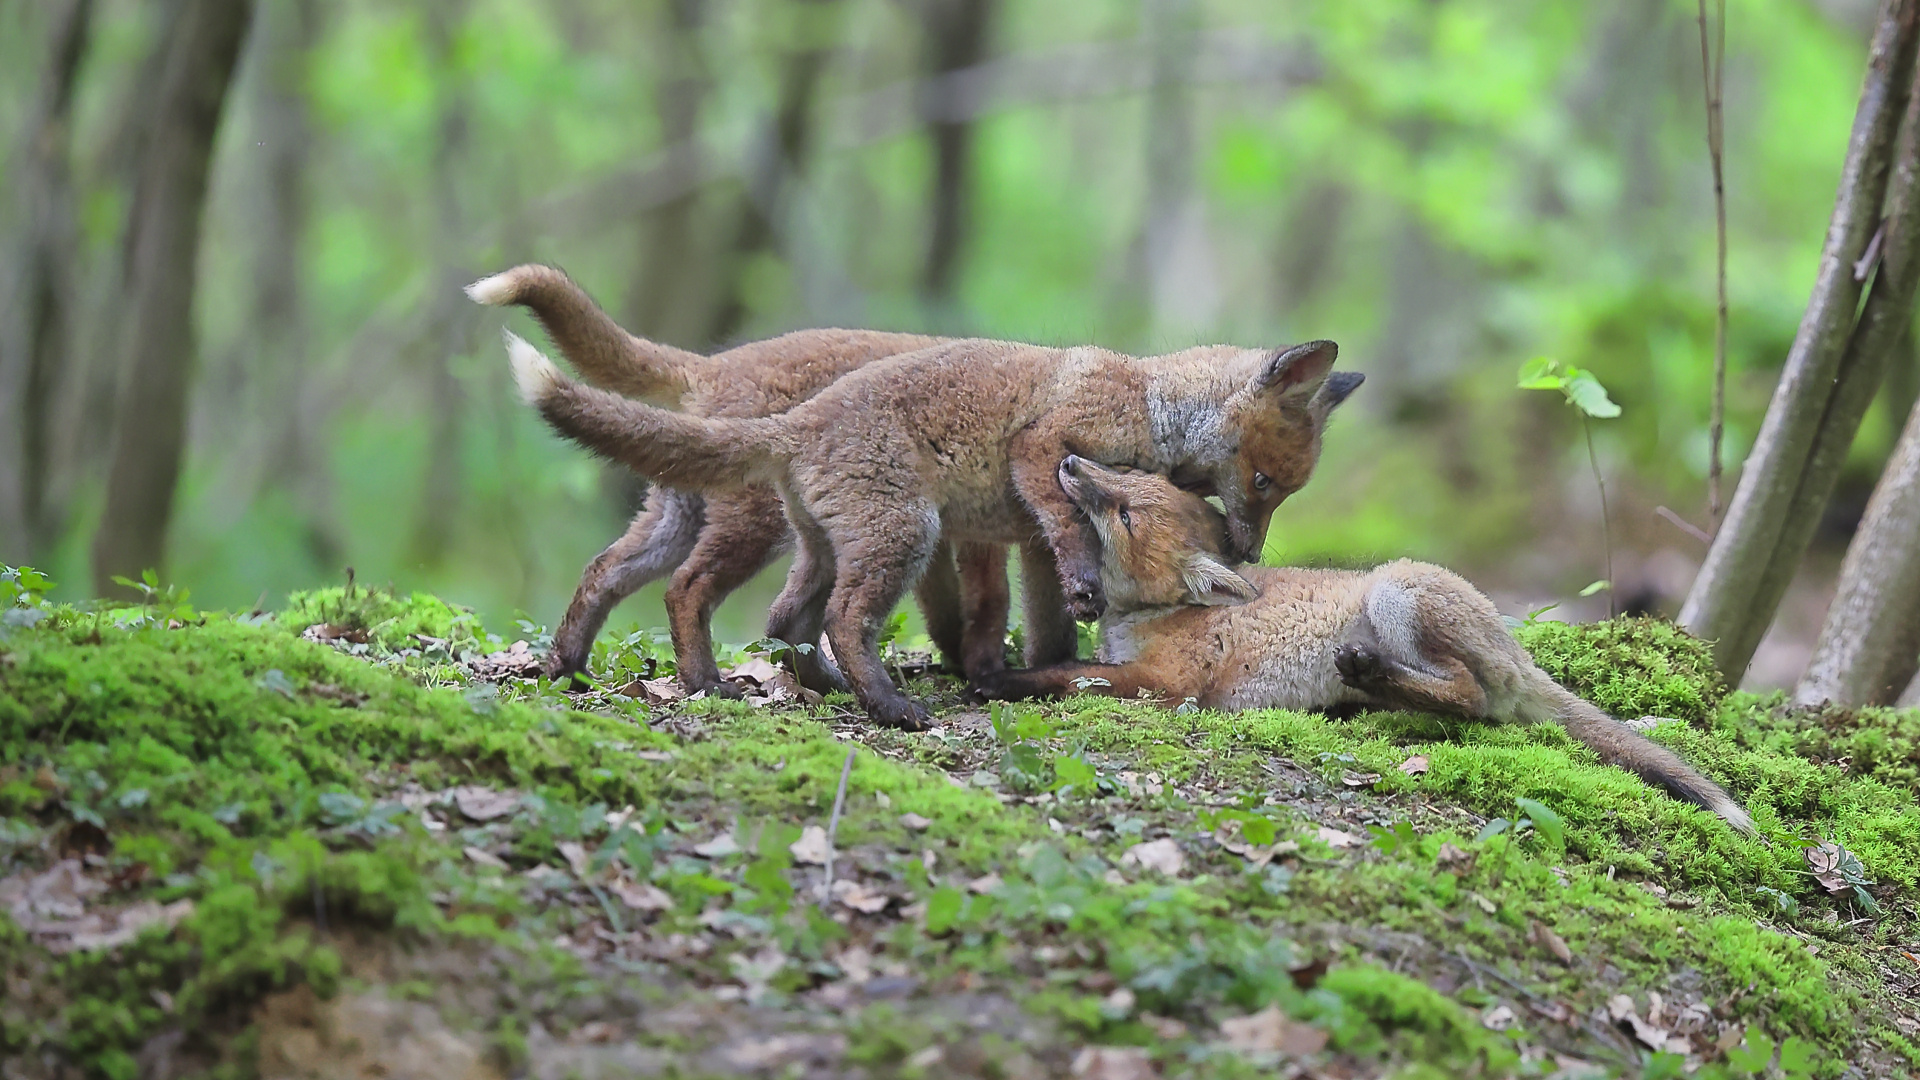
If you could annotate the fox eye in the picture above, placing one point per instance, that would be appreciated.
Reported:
(1261, 481)
(1126, 519)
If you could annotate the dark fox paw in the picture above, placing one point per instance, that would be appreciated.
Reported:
(1359, 666)
(905, 714)
(1002, 685)
(719, 688)
(1086, 600)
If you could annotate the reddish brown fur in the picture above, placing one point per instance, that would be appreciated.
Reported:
(713, 544)
(964, 437)
(1405, 635)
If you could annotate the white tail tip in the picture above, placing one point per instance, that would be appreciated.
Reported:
(1734, 816)
(533, 373)
(494, 291)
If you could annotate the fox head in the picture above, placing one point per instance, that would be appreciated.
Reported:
(1159, 546)
(1271, 431)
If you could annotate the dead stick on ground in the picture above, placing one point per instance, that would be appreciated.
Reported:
(833, 824)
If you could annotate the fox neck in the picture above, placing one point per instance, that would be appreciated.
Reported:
(1187, 413)
(1121, 636)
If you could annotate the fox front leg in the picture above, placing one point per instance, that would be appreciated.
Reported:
(1076, 549)
(1059, 680)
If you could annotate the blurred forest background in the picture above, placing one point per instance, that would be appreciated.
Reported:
(1448, 188)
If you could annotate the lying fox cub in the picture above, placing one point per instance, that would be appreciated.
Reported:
(1180, 623)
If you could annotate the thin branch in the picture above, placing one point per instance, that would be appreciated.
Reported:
(1684, 525)
(833, 825)
(1712, 67)
(1606, 530)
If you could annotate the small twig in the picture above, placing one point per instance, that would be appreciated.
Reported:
(1713, 61)
(1684, 525)
(1606, 530)
(833, 824)
(1864, 265)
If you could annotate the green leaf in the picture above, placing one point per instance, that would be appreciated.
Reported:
(1664, 1066)
(1537, 374)
(1258, 830)
(1753, 1053)
(1587, 395)
(1797, 1057)
(1492, 829)
(1597, 587)
(1073, 772)
(943, 909)
(1543, 819)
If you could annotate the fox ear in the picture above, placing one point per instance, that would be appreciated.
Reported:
(1335, 390)
(1297, 371)
(1212, 583)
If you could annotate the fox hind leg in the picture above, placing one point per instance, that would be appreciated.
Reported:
(658, 540)
(879, 551)
(984, 601)
(798, 614)
(738, 540)
(1383, 658)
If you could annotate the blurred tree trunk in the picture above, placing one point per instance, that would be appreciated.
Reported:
(1155, 283)
(1910, 699)
(1829, 377)
(779, 160)
(277, 326)
(202, 45)
(37, 324)
(1901, 386)
(1870, 646)
(955, 33)
(672, 291)
(672, 295)
(446, 304)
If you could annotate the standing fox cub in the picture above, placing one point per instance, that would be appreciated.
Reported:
(1406, 635)
(963, 439)
(712, 546)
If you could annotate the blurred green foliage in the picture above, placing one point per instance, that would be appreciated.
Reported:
(1445, 189)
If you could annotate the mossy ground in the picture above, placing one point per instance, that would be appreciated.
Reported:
(328, 822)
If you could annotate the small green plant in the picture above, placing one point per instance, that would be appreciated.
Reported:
(1587, 397)
(162, 603)
(22, 596)
(1533, 815)
(1755, 1054)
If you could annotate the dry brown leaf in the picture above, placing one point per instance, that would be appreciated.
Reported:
(860, 897)
(484, 857)
(1452, 857)
(757, 669)
(1824, 861)
(1415, 765)
(1498, 1018)
(1619, 1007)
(576, 856)
(1359, 779)
(640, 895)
(653, 755)
(1338, 839)
(1544, 937)
(1163, 855)
(483, 803)
(655, 691)
(718, 848)
(1483, 903)
(915, 822)
(1271, 1031)
(984, 884)
(1113, 1063)
(811, 849)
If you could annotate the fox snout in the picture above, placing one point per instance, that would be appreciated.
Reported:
(1075, 481)
(1243, 540)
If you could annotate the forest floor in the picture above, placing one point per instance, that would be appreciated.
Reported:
(346, 840)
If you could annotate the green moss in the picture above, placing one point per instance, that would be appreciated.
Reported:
(1630, 667)
(386, 617)
(1437, 1028)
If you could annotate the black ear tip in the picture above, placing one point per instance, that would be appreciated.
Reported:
(1340, 384)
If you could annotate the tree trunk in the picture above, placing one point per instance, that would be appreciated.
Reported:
(779, 161)
(36, 327)
(1870, 646)
(202, 45)
(672, 292)
(1910, 699)
(1164, 288)
(1753, 556)
(441, 492)
(1900, 387)
(955, 39)
(277, 322)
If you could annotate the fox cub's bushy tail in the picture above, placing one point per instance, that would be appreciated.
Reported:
(1618, 744)
(604, 354)
(672, 448)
